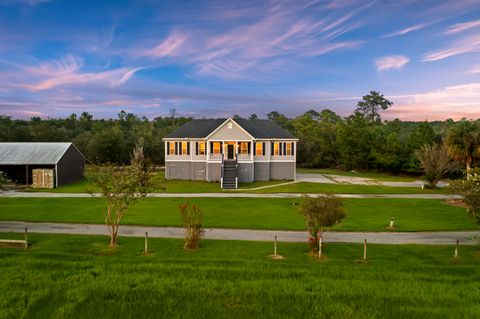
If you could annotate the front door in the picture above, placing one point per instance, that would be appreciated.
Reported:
(230, 151)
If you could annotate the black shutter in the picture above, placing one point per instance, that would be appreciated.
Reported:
(284, 148)
(221, 147)
(168, 148)
(280, 146)
(254, 148)
(211, 147)
(176, 148)
(196, 148)
(188, 148)
(293, 149)
(271, 148)
(249, 144)
(263, 148)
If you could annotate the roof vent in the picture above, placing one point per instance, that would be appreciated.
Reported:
(230, 125)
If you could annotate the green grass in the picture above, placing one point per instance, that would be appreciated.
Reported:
(162, 185)
(306, 187)
(364, 174)
(62, 276)
(255, 213)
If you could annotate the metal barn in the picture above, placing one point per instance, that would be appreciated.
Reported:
(42, 164)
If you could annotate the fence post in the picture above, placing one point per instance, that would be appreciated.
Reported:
(455, 254)
(320, 247)
(275, 247)
(391, 222)
(365, 250)
(26, 238)
(146, 243)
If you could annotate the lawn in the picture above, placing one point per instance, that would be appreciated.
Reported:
(385, 177)
(306, 187)
(162, 185)
(63, 276)
(255, 213)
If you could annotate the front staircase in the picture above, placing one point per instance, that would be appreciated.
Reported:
(229, 174)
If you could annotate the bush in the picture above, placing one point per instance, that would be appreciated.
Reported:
(192, 217)
(469, 189)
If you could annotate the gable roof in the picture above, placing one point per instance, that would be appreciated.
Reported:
(32, 153)
(257, 128)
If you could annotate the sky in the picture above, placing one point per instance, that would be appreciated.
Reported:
(219, 58)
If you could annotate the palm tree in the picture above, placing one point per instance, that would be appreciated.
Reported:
(463, 142)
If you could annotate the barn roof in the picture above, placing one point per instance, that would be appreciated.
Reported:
(256, 128)
(32, 153)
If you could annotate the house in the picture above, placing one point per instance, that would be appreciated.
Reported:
(230, 151)
(48, 164)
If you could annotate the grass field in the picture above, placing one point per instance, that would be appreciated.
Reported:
(255, 213)
(306, 187)
(368, 174)
(62, 276)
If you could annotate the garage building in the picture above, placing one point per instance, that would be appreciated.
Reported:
(48, 164)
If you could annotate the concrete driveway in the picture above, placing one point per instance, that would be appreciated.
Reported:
(424, 238)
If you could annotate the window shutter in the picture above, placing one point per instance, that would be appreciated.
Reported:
(271, 148)
(196, 148)
(284, 148)
(293, 149)
(249, 144)
(263, 148)
(211, 147)
(176, 148)
(221, 147)
(168, 148)
(280, 148)
(188, 148)
(254, 149)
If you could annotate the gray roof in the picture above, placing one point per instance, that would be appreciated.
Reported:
(32, 153)
(257, 128)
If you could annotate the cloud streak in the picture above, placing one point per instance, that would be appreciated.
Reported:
(391, 62)
(460, 27)
(405, 31)
(67, 71)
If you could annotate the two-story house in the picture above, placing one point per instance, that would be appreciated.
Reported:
(230, 151)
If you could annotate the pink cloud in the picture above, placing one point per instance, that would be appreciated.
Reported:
(462, 27)
(391, 62)
(66, 71)
(450, 102)
(465, 45)
(405, 31)
(168, 47)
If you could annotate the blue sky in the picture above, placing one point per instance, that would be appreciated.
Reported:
(218, 58)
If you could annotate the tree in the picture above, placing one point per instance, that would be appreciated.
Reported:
(192, 217)
(253, 117)
(121, 187)
(435, 162)
(469, 189)
(3, 180)
(463, 142)
(320, 212)
(371, 104)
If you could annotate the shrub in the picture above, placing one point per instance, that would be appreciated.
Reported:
(192, 217)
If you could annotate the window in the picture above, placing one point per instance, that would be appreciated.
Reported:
(276, 148)
(244, 148)
(172, 148)
(216, 147)
(288, 150)
(259, 149)
(201, 148)
(184, 148)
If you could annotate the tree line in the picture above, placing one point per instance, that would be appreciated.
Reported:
(359, 141)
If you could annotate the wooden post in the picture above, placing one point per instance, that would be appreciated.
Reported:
(275, 247)
(320, 247)
(146, 243)
(365, 250)
(26, 238)
(455, 254)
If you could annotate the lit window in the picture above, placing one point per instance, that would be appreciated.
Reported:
(172, 148)
(289, 149)
(259, 149)
(201, 148)
(275, 148)
(243, 148)
(216, 147)
(184, 148)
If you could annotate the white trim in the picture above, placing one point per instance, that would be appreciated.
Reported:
(185, 160)
(220, 126)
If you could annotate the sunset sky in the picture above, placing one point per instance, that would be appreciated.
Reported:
(218, 58)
